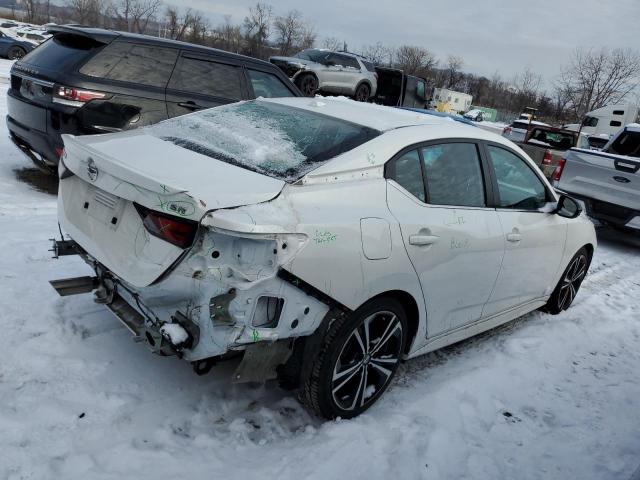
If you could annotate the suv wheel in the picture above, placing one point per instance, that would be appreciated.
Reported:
(308, 84)
(359, 356)
(16, 53)
(362, 92)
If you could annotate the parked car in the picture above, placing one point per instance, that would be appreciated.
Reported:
(517, 130)
(606, 181)
(397, 89)
(316, 70)
(475, 115)
(14, 48)
(326, 239)
(35, 35)
(86, 81)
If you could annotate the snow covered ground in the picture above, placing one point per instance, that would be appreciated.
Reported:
(542, 398)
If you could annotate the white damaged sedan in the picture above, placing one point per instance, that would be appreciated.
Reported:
(323, 239)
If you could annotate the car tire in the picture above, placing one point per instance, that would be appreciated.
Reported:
(569, 284)
(308, 84)
(16, 53)
(362, 93)
(358, 358)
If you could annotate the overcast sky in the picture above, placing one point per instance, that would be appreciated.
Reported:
(491, 35)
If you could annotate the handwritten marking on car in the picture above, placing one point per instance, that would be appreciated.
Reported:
(323, 237)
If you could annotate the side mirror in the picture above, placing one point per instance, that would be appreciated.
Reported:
(568, 207)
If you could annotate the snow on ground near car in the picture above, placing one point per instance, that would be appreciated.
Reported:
(541, 398)
(5, 67)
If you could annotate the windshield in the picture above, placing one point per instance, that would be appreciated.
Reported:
(275, 140)
(318, 56)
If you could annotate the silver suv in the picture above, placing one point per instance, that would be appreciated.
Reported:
(315, 70)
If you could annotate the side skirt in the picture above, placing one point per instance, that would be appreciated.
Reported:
(479, 326)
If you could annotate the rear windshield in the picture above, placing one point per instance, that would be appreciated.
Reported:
(627, 143)
(555, 140)
(522, 125)
(275, 140)
(61, 52)
(369, 66)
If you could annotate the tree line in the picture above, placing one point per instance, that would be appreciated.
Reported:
(591, 78)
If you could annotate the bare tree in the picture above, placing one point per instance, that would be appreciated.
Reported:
(134, 15)
(228, 36)
(178, 24)
(86, 12)
(288, 30)
(378, 53)
(332, 43)
(32, 8)
(257, 28)
(594, 78)
(308, 39)
(415, 60)
(453, 75)
(528, 82)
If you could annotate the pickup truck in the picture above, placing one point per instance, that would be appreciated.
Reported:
(547, 145)
(607, 181)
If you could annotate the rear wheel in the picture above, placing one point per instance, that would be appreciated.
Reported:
(362, 92)
(358, 358)
(308, 84)
(566, 290)
(16, 53)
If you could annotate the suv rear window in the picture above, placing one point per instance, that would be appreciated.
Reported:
(369, 65)
(130, 62)
(61, 52)
(272, 139)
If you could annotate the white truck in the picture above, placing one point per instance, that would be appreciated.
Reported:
(607, 181)
(450, 101)
(607, 120)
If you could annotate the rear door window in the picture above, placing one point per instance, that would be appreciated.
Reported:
(267, 85)
(453, 175)
(129, 62)
(206, 77)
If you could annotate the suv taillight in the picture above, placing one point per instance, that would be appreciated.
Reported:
(177, 231)
(546, 160)
(74, 97)
(506, 130)
(557, 173)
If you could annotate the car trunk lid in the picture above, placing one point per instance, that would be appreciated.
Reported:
(115, 174)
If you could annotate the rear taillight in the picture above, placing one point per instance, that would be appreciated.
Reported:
(557, 173)
(59, 152)
(546, 160)
(506, 130)
(74, 97)
(175, 230)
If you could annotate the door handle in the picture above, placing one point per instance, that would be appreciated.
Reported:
(422, 239)
(190, 105)
(514, 237)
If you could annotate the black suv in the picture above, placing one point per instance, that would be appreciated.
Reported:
(86, 80)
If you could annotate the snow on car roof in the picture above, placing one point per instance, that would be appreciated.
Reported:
(369, 115)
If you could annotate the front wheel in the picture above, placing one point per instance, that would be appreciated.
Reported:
(308, 84)
(566, 290)
(358, 359)
(362, 92)
(16, 53)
